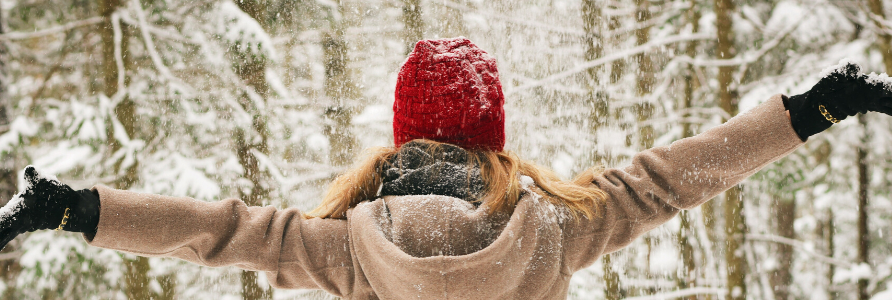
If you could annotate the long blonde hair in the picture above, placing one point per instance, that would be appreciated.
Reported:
(499, 170)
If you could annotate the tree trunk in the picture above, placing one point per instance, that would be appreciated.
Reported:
(592, 25)
(708, 209)
(612, 286)
(136, 279)
(831, 249)
(735, 231)
(452, 21)
(414, 24)
(644, 110)
(688, 276)
(617, 67)
(884, 43)
(735, 225)
(884, 39)
(252, 71)
(784, 214)
(341, 92)
(9, 269)
(8, 174)
(596, 100)
(863, 188)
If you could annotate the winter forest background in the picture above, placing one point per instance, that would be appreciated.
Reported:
(268, 100)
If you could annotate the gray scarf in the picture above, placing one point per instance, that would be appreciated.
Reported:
(423, 169)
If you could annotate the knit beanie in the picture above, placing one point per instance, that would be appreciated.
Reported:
(448, 90)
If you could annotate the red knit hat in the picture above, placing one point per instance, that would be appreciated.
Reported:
(449, 91)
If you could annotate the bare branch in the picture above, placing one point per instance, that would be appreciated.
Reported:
(744, 59)
(518, 21)
(797, 245)
(52, 30)
(612, 57)
(682, 293)
(10, 255)
(150, 45)
(119, 55)
(161, 32)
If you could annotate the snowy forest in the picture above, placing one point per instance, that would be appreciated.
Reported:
(268, 100)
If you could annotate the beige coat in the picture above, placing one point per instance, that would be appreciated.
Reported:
(437, 247)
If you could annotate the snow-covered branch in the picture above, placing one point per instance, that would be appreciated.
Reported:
(153, 53)
(518, 21)
(119, 56)
(612, 57)
(51, 30)
(288, 183)
(682, 293)
(744, 59)
(160, 32)
(10, 255)
(797, 245)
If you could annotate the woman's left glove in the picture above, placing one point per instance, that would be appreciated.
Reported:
(47, 203)
(843, 92)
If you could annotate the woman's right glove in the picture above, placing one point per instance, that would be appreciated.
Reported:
(47, 203)
(841, 93)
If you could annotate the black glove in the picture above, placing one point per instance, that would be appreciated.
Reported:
(843, 92)
(43, 205)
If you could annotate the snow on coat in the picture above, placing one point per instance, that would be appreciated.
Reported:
(439, 247)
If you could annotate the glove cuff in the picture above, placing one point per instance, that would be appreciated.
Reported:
(84, 216)
(805, 116)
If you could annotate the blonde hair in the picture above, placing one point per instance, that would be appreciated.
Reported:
(499, 171)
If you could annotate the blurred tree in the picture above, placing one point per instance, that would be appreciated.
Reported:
(884, 38)
(826, 229)
(596, 101)
(115, 63)
(451, 18)
(340, 90)
(688, 277)
(7, 160)
(784, 217)
(596, 98)
(614, 26)
(612, 285)
(884, 43)
(251, 69)
(250, 66)
(413, 30)
(330, 69)
(830, 233)
(735, 225)
(644, 110)
(9, 267)
(863, 202)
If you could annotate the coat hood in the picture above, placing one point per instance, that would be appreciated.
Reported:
(440, 247)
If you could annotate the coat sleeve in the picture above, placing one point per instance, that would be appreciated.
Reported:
(663, 180)
(294, 252)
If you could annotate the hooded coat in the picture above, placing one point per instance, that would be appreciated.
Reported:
(440, 247)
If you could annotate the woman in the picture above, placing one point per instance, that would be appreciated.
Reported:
(446, 213)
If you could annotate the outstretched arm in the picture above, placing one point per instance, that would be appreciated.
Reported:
(295, 252)
(663, 180)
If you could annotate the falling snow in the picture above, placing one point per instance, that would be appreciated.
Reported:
(215, 92)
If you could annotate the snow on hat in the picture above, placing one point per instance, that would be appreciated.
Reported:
(448, 90)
